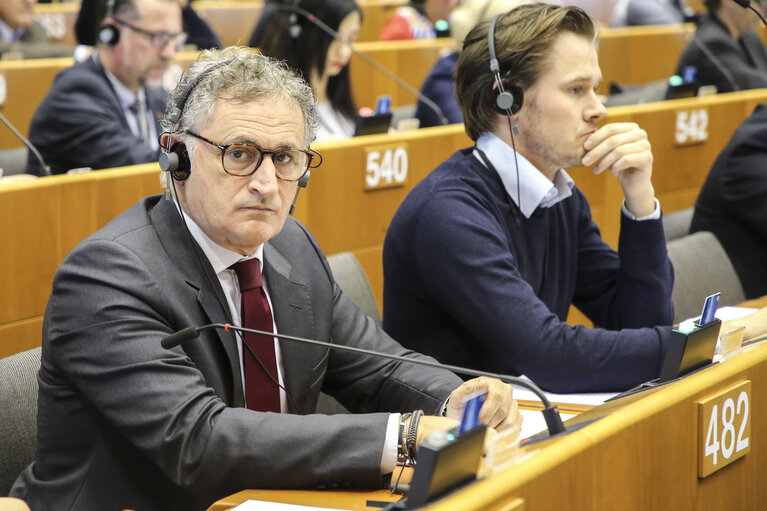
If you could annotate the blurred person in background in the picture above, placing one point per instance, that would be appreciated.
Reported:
(629, 13)
(104, 112)
(320, 59)
(417, 20)
(93, 11)
(725, 51)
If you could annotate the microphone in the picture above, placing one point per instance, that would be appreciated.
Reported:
(45, 169)
(550, 411)
(293, 28)
(746, 4)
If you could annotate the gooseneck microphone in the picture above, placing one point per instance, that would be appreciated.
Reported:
(550, 411)
(44, 169)
(293, 9)
(746, 4)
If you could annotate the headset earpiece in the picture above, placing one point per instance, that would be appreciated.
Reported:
(109, 33)
(510, 96)
(509, 100)
(176, 161)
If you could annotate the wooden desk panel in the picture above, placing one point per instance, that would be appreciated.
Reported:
(409, 60)
(27, 83)
(43, 220)
(641, 454)
(638, 55)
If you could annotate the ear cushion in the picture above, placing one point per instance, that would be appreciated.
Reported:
(176, 161)
(109, 34)
(509, 100)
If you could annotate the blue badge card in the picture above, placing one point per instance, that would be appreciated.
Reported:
(471, 411)
(709, 309)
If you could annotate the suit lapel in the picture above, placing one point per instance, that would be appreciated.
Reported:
(200, 278)
(293, 316)
(95, 66)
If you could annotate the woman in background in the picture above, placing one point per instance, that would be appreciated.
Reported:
(439, 85)
(417, 20)
(322, 60)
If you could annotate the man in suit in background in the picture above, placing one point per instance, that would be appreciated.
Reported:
(733, 202)
(105, 112)
(725, 51)
(125, 423)
(20, 34)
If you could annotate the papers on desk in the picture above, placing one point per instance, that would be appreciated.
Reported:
(573, 403)
(262, 505)
(728, 313)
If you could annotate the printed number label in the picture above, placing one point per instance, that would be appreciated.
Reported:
(725, 428)
(691, 127)
(385, 166)
(55, 25)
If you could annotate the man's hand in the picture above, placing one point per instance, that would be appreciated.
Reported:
(622, 149)
(499, 410)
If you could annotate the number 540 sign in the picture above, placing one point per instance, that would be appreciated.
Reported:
(724, 432)
(386, 166)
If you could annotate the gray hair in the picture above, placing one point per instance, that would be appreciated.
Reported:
(240, 75)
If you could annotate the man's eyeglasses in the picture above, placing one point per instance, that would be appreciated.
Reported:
(158, 39)
(244, 159)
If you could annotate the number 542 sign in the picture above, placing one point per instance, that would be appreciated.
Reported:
(724, 432)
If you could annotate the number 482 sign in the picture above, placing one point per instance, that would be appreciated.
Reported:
(724, 432)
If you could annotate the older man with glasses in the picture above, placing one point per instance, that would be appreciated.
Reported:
(105, 112)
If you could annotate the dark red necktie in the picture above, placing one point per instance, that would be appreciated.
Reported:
(261, 391)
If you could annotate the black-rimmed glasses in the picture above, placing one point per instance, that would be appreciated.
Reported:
(290, 164)
(158, 39)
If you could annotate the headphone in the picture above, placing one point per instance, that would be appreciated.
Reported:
(507, 102)
(109, 32)
(176, 159)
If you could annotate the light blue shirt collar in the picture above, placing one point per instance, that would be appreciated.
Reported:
(8, 34)
(535, 189)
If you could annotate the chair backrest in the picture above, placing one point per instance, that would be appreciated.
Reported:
(354, 283)
(18, 414)
(13, 161)
(677, 223)
(701, 268)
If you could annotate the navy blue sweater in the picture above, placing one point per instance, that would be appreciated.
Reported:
(454, 287)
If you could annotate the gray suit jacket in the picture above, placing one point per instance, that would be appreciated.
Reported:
(124, 423)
